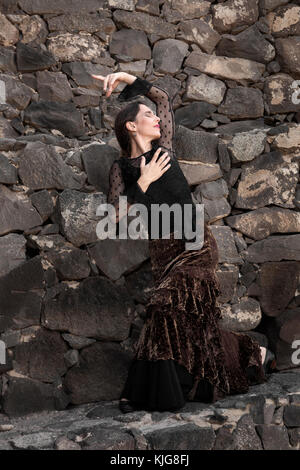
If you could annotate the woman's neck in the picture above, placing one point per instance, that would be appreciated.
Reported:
(138, 149)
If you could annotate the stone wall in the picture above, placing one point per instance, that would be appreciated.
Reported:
(71, 305)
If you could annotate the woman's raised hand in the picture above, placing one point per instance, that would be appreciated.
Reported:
(111, 81)
(156, 167)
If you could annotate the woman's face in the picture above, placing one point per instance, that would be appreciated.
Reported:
(147, 123)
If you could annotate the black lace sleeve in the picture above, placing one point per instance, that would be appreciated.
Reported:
(163, 108)
(117, 188)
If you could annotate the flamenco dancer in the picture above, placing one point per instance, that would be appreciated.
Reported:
(182, 354)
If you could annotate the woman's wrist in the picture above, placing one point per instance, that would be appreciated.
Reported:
(128, 78)
(143, 183)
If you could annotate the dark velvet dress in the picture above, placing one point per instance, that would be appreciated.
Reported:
(182, 353)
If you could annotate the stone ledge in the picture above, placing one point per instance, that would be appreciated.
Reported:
(266, 418)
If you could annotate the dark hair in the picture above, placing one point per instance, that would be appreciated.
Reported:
(128, 113)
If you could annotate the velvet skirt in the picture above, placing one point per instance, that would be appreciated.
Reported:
(182, 353)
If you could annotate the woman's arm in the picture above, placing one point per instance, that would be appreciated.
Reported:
(138, 86)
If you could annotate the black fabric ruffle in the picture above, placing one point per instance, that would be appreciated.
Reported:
(138, 87)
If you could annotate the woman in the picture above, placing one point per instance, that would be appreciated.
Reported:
(182, 354)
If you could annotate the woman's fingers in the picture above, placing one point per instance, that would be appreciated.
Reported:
(104, 79)
(112, 85)
(156, 154)
(110, 82)
(98, 77)
(163, 159)
(163, 164)
(115, 82)
(166, 168)
(105, 82)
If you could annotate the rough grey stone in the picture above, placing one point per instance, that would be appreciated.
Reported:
(130, 43)
(21, 295)
(242, 316)
(34, 30)
(245, 436)
(147, 23)
(77, 342)
(67, 47)
(17, 212)
(109, 439)
(24, 396)
(288, 56)
(193, 114)
(205, 88)
(12, 248)
(273, 437)
(192, 9)
(275, 248)
(42, 348)
(74, 205)
(102, 299)
(53, 86)
(8, 172)
(246, 146)
(226, 245)
(74, 22)
(225, 67)
(17, 93)
(168, 55)
(94, 379)
(81, 72)
(184, 437)
(231, 14)
(33, 161)
(199, 32)
(285, 20)
(97, 174)
(59, 6)
(6, 129)
(196, 145)
(69, 263)
(116, 257)
(9, 34)
(43, 203)
(249, 44)
(7, 59)
(242, 103)
(31, 58)
(261, 175)
(291, 415)
(64, 117)
(260, 223)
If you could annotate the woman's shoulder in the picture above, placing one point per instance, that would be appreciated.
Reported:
(117, 162)
(125, 169)
(171, 152)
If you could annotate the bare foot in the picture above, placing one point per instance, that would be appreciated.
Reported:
(263, 351)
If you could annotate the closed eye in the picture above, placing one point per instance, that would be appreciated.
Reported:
(150, 114)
